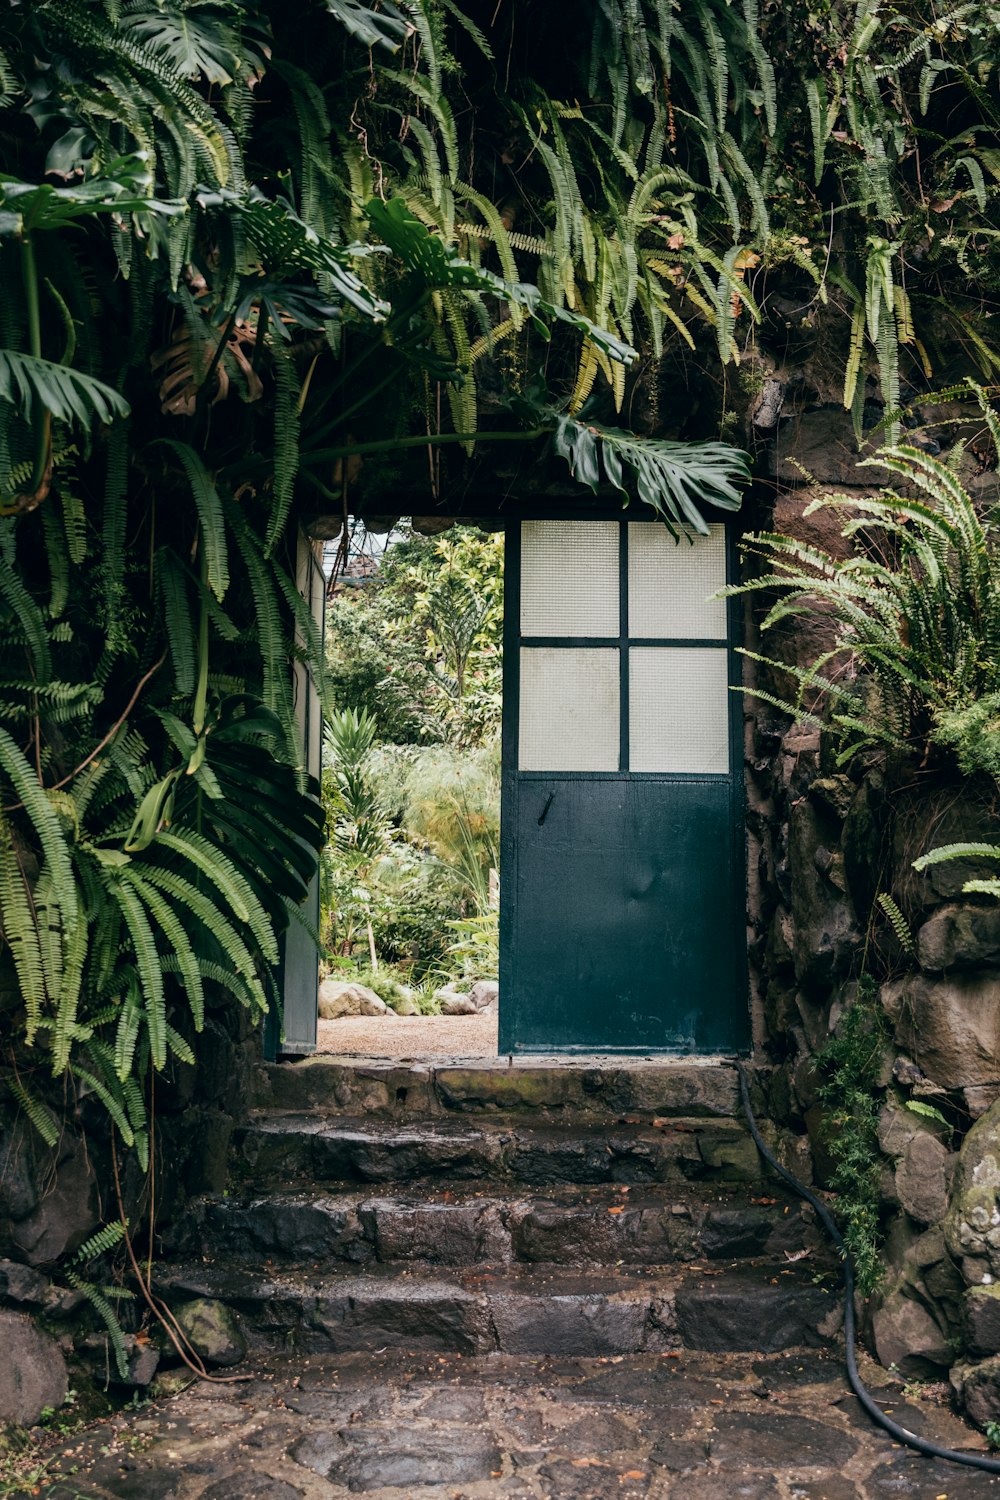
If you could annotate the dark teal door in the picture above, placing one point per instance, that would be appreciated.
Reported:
(623, 924)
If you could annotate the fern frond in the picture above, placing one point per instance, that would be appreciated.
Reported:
(209, 508)
(35, 1110)
(897, 921)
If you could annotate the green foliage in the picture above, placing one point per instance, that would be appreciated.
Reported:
(373, 666)
(917, 611)
(418, 647)
(849, 1067)
(926, 1111)
(476, 944)
(898, 922)
(676, 479)
(432, 612)
(945, 853)
(102, 1298)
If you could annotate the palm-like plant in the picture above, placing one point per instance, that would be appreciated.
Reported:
(915, 662)
(360, 826)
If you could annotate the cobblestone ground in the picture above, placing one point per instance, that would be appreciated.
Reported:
(392, 1427)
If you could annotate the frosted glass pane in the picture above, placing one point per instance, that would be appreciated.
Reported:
(678, 708)
(569, 716)
(569, 578)
(669, 582)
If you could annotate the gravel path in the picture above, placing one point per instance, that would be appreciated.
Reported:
(410, 1036)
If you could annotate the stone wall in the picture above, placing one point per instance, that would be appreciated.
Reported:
(824, 842)
(53, 1198)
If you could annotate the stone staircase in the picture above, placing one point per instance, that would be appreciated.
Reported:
(598, 1208)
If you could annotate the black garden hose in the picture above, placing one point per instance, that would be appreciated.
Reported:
(899, 1434)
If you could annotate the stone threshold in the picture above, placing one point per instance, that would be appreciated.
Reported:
(608, 1084)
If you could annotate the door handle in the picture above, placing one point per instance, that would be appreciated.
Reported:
(545, 810)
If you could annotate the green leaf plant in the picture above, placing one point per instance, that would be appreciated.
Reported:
(915, 606)
(254, 255)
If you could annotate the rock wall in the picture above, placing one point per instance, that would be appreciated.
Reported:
(824, 842)
(53, 1198)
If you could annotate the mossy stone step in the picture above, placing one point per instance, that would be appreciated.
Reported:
(473, 1226)
(605, 1087)
(277, 1150)
(545, 1310)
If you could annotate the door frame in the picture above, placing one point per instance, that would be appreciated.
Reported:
(292, 1031)
(510, 776)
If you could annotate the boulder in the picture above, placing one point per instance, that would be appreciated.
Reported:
(908, 1337)
(972, 1227)
(19, 1283)
(981, 1319)
(959, 936)
(404, 1003)
(212, 1330)
(977, 1387)
(820, 445)
(949, 1026)
(50, 1195)
(143, 1363)
(979, 1097)
(924, 1165)
(337, 998)
(485, 995)
(32, 1372)
(825, 935)
(923, 1179)
(455, 1002)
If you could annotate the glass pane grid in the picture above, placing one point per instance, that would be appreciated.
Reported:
(569, 710)
(679, 709)
(670, 583)
(569, 578)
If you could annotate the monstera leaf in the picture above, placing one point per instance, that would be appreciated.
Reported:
(675, 478)
(209, 39)
(386, 27)
(288, 246)
(125, 186)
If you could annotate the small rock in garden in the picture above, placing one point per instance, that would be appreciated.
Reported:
(907, 1337)
(32, 1374)
(20, 1283)
(458, 1005)
(143, 1363)
(212, 1331)
(455, 1002)
(338, 998)
(405, 1004)
(485, 995)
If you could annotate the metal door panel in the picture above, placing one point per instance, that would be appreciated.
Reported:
(623, 890)
(622, 908)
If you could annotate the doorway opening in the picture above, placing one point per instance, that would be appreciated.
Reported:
(534, 786)
(411, 784)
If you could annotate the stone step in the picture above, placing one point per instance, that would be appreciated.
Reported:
(472, 1226)
(607, 1087)
(278, 1150)
(763, 1307)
